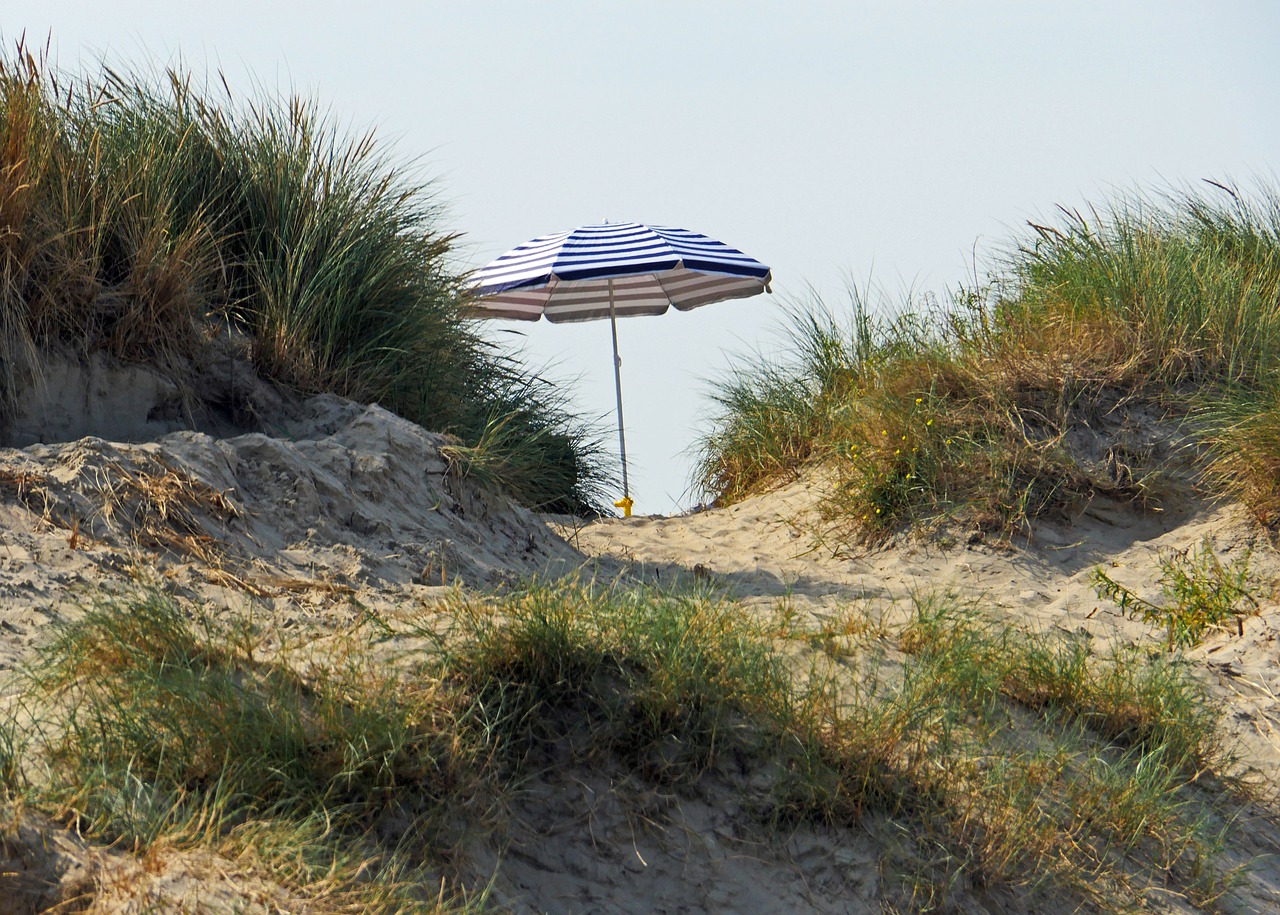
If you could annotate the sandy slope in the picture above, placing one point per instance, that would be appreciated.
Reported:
(351, 501)
(762, 551)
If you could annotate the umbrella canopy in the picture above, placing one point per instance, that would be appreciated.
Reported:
(612, 270)
(639, 270)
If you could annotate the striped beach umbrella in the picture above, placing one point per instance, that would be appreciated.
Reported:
(610, 271)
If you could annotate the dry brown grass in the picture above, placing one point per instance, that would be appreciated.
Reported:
(163, 508)
(141, 503)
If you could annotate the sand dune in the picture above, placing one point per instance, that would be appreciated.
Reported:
(353, 502)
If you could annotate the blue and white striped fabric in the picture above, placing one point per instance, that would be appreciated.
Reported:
(573, 276)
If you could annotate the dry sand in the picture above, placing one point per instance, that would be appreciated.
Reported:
(348, 500)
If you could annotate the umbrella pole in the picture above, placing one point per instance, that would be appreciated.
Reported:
(625, 502)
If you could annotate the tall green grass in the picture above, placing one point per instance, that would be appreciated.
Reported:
(774, 416)
(143, 214)
(1195, 276)
(969, 407)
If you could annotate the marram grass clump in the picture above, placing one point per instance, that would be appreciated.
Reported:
(143, 215)
(996, 405)
(322, 771)
(912, 421)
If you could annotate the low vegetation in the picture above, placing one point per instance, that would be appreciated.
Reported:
(1199, 594)
(1057, 769)
(1020, 398)
(355, 769)
(144, 216)
(169, 730)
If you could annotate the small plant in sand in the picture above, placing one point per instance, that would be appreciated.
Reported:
(1199, 594)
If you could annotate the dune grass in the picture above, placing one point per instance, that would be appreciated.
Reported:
(345, 783)
(663, 680)
(10, 759)
(996, 404)
(1048, 770)
(356, 769)
(144, 214)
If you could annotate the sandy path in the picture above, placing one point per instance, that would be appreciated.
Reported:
(761, 552)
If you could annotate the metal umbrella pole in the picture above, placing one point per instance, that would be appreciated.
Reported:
(625, 502)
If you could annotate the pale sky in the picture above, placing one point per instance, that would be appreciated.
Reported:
(834, 141)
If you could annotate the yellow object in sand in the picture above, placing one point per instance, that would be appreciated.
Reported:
(625, 504)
